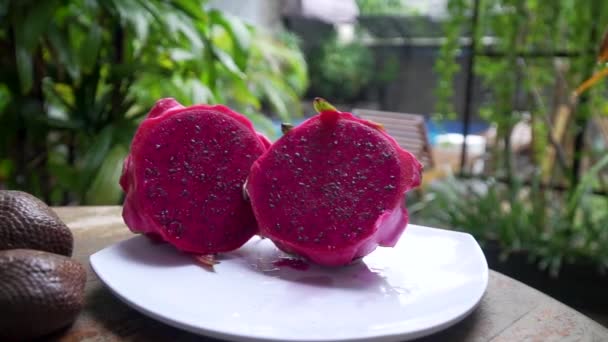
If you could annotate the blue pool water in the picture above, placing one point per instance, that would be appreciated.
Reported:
(433, 128)
(452, 126)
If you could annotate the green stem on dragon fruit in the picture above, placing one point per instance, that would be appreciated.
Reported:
(320, 104)
(286, 127)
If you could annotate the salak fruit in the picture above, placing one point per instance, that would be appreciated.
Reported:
(332, 189)
(41, 287)
(27, 222)
(184, 177)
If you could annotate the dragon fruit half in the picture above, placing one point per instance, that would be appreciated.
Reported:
(184, 176)
(332, 189)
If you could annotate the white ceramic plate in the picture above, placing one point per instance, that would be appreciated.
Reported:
(432, 279)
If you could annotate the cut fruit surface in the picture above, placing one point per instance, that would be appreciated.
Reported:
(184, 176)
(332, 189)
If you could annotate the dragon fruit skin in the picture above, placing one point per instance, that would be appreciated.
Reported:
(332, 189)
(184, 175)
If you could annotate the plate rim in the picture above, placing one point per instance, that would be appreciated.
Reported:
(228, 336)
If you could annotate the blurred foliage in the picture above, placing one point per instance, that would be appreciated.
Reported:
(386, 7)
(341, 70)
(522, 79)
(525, 82)
(552, 228)
(76, 78)
(446, 66)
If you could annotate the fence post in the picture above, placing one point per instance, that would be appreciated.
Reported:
(469, 86)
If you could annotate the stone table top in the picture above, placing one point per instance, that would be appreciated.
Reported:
(509, 310)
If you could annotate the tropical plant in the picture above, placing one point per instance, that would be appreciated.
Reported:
(530, 55)
(77, 76)
(550, 227)
(538, 53)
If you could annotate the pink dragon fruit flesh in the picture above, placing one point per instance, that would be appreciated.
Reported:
(184, 176)
(332, 189)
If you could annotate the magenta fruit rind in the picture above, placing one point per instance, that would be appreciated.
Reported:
(332, 189)
(184, 175)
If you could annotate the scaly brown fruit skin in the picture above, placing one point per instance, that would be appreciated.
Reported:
(27, 222)
(40, 292)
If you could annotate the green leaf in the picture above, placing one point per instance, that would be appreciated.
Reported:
(124, 70)
(276, 100)
(60, 124)
(25, 68)
(193, 9)
(58, 95)
(141, 24)
(180, 55)
(5, 98)
(105, 188)
(227, 61)
(200, 92)
(68, 177)
(235, 27)
(274, 56)
(35, 23)
(90, 48)
(64, 53)
(243, 95)
(239, 33)
(6, 169)
(93, 157)
(585, 184)
(179, 24)
(141, 16)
